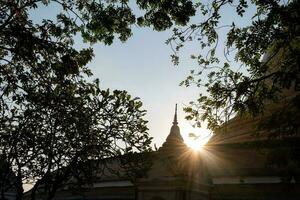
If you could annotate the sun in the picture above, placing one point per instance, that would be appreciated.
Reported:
(196, 144)
(196, 138)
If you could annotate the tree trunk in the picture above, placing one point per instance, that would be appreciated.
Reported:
(19, 189)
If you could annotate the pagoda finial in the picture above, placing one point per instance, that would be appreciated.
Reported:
(175, 116)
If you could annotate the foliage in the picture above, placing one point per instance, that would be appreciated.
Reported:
(260, 64)
(52, 119)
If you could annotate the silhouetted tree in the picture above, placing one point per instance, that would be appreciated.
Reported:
(243, 81)
(257, 68)
(52, 120)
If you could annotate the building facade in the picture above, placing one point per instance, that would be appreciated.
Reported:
(227, 168)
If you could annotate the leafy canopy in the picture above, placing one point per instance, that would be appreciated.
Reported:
(259, 65)
(51, 118)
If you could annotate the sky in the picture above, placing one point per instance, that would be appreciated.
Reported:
(142, 66)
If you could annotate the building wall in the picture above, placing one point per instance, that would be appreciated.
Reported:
(256, 192)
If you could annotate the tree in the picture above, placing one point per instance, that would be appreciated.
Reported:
(259, 69)
(60, 122)
(264, 53)
(52, 119)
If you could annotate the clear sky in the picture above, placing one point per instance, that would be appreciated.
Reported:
(142, 66)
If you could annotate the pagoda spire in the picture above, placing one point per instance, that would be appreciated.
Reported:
(175, 116)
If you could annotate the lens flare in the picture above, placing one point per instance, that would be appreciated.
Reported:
(196, 138)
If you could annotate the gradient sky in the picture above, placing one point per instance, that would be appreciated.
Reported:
(142, 66)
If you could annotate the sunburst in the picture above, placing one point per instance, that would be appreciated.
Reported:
(198, 138)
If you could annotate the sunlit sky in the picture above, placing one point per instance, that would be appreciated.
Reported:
(143, 67)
